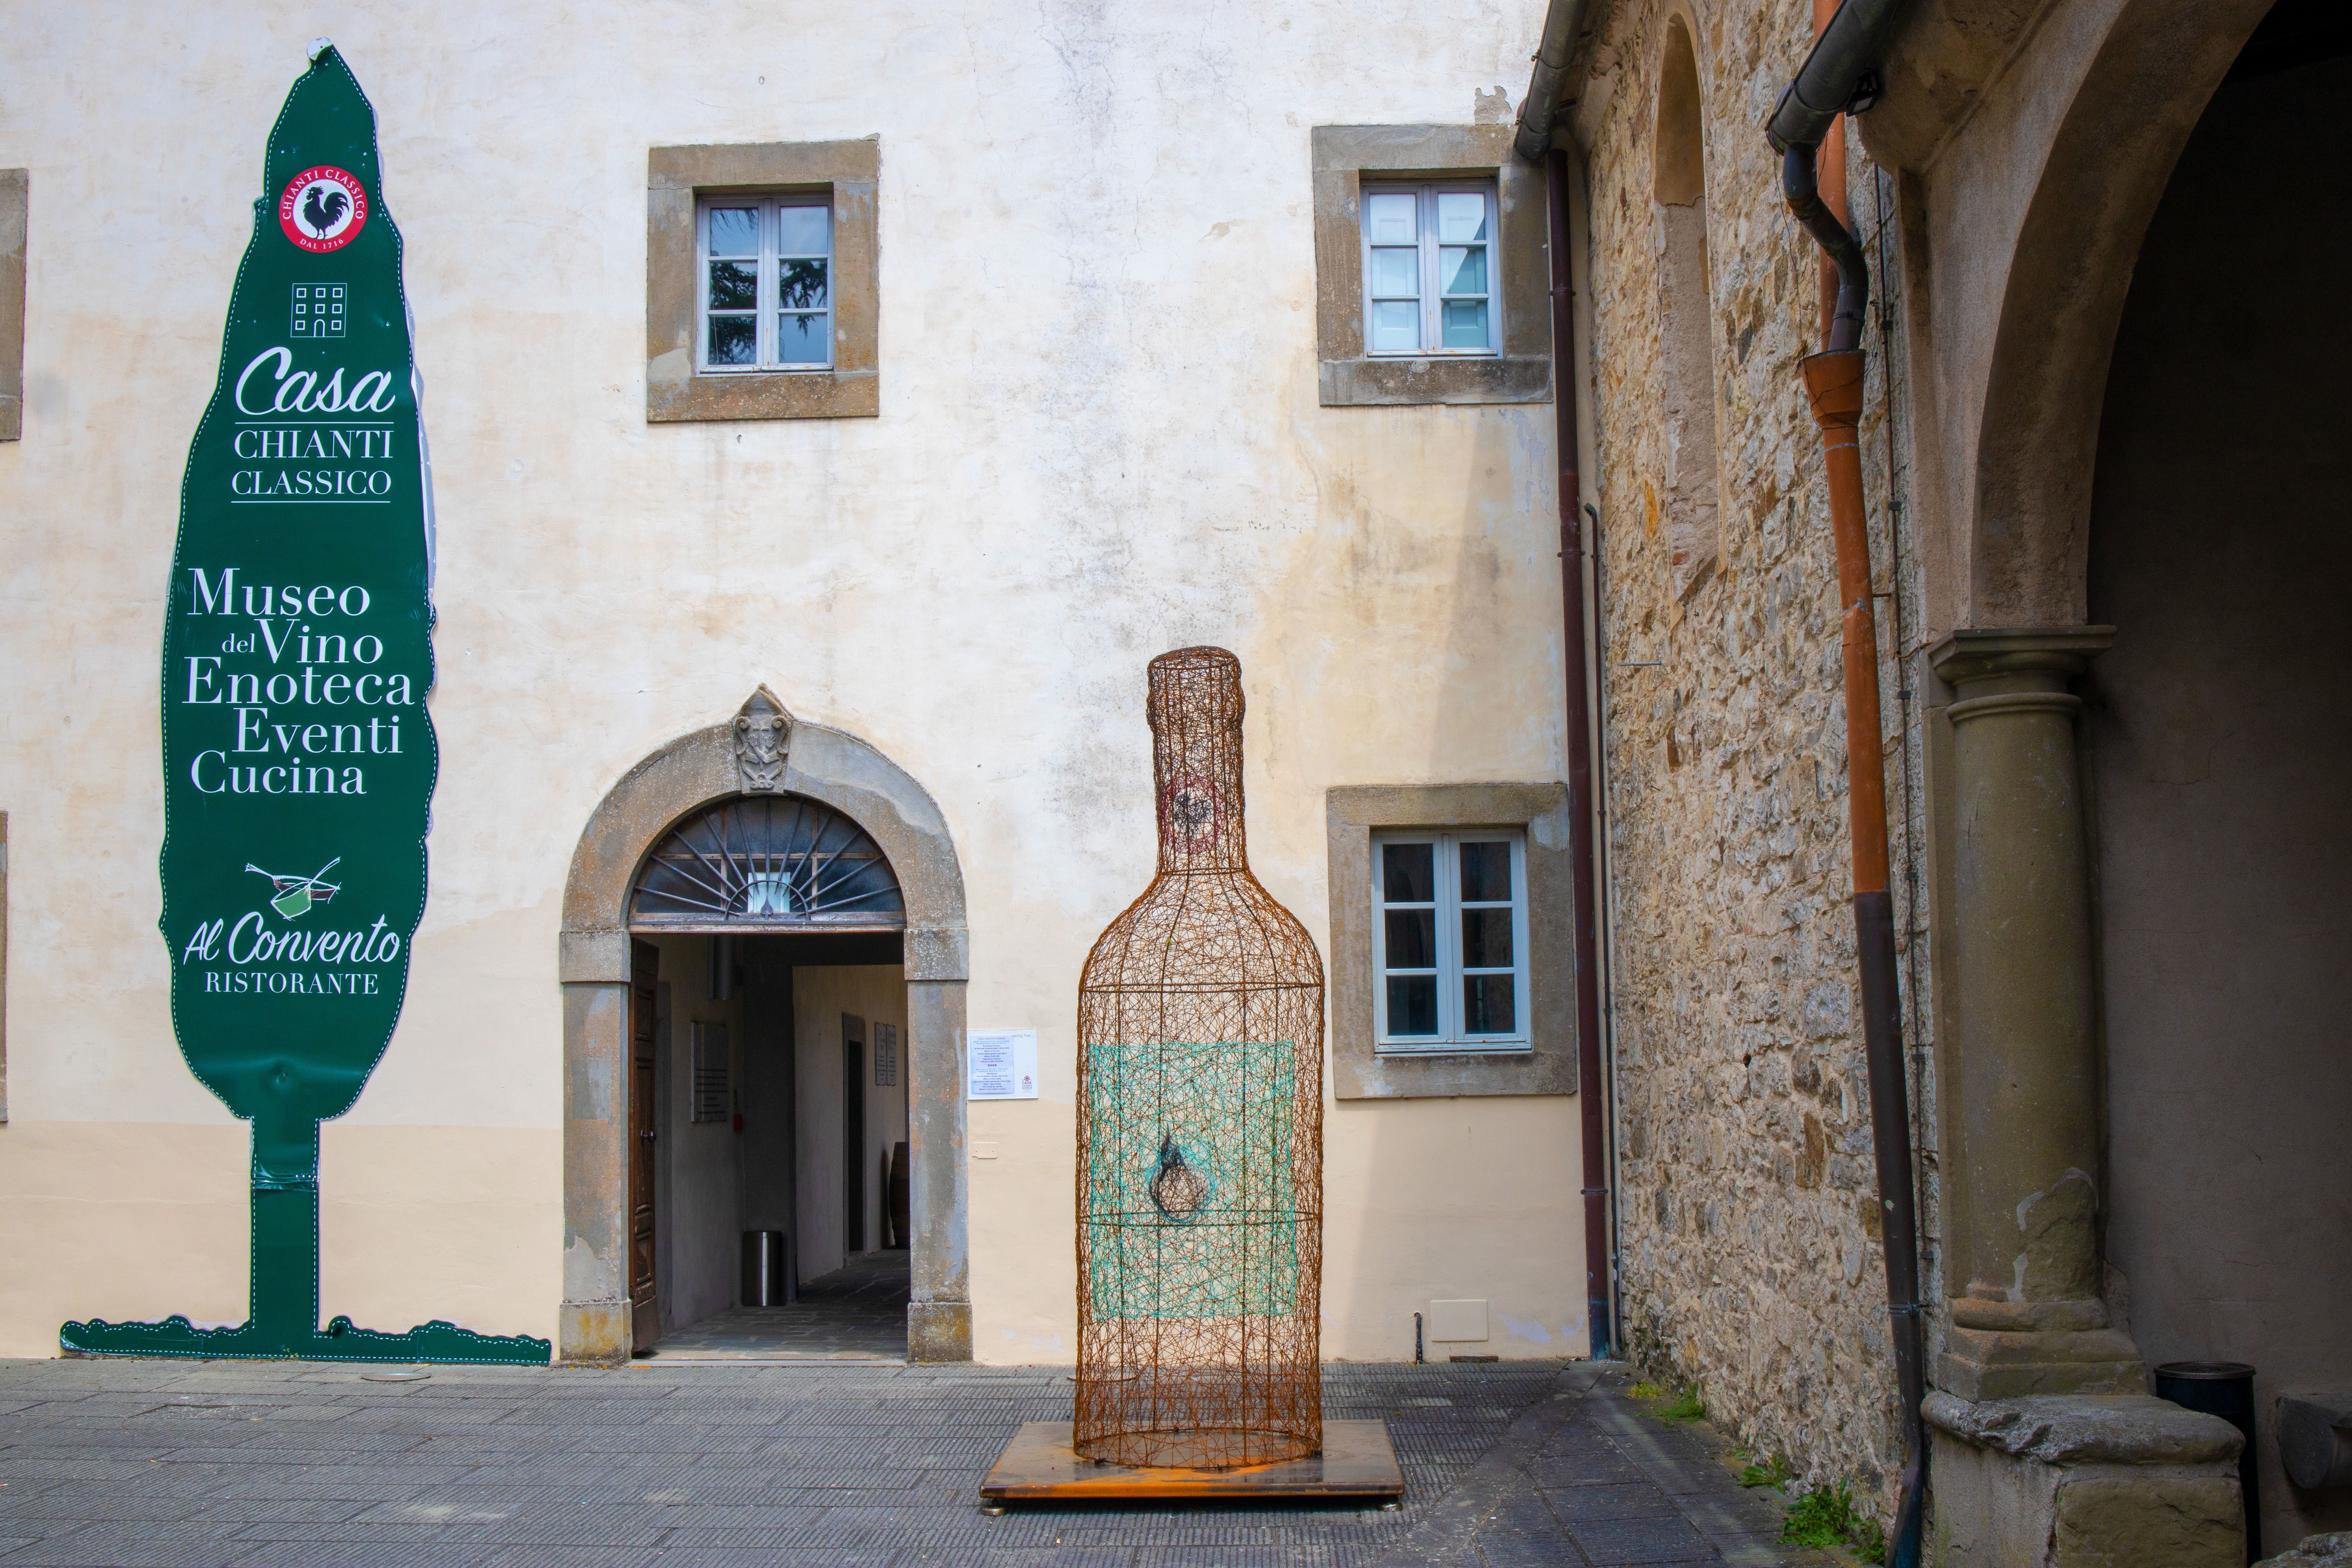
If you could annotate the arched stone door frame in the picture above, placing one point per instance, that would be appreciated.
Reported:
(2110, 157)
(693, 772)
(2036, 142)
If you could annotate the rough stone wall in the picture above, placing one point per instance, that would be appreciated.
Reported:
(1748, 1235)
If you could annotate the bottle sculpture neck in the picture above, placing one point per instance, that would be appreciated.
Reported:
(1195, 709)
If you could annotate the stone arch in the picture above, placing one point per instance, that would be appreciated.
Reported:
(2108, 161)
(690, 773)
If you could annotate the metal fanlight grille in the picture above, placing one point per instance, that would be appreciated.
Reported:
(767, 863)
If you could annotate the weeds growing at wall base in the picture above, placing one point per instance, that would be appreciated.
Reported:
(1825, 1516)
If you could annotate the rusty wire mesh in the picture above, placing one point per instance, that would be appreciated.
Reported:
(1200, 1128)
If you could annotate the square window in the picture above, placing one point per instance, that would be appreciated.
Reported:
(766, 283)
(1429, 269)
(800, 219)
(1452, 962)
(1450, 939)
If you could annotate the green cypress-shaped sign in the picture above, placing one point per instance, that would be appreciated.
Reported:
(299, 759)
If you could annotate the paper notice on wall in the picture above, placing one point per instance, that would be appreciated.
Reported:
(1003, 1064)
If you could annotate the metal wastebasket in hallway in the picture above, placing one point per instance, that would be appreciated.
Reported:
(2223, 1388)
(767, 1273)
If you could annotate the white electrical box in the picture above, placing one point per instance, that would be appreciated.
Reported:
(1458, 1322)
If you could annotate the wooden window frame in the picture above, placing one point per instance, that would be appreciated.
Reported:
(1449, 971)
(768, 260)
(1431, 296)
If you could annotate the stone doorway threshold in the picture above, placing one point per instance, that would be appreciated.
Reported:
(858, 1313)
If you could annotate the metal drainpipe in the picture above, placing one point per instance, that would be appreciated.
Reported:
(1605, 873)
(1589, 1090)
(1837, 77)
(1554, 54)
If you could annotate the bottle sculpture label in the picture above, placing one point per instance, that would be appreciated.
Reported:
(1200, 1128)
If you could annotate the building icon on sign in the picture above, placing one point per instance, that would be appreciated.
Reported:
(318, 309)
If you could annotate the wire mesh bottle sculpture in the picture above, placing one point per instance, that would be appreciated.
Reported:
(1200, 1128)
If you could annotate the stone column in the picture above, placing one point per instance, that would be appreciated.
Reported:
(939, 1311)
(2022, 1152)
(594, 1322)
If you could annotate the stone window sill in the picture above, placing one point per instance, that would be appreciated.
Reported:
(1503, 378)
(673, 398)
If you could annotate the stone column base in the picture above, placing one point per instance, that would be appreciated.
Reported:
(2082, 1482)
(1987, 1364)
(938, 1331)
(2332, 1550)
(593, 1333)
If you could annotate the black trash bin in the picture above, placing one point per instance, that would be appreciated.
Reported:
(2223, 1388)
(767, 1269)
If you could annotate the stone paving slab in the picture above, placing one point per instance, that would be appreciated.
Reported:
(110, 1464)
(858, 1313)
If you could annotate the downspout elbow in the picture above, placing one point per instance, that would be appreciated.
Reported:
(1553, 56)
(1839, 77)
(1800, 185)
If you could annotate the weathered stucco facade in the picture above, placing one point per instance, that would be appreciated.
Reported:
(1098, 438)
(1105, 396)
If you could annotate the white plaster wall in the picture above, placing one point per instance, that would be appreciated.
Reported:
(821, 994)
(1099, 439)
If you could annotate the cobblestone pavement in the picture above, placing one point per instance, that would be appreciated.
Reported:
(118, 1464)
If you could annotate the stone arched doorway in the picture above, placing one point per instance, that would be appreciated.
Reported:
(761, 753)
(2217, 728)
(2122, 446)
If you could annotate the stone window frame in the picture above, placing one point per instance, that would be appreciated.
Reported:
(1351, 814)
(676, 179)
(16, 189)
(1344, 156)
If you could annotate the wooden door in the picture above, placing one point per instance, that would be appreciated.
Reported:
(645, 1311)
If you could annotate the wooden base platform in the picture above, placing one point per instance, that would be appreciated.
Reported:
(1039, 1466)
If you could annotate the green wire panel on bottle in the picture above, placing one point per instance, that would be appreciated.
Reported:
(1199, 1129)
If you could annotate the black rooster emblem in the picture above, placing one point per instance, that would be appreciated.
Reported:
(323, 208)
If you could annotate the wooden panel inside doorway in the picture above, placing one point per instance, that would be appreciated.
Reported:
(645, 1311)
